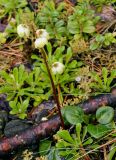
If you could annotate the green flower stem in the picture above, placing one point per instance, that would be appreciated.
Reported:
(43, 52)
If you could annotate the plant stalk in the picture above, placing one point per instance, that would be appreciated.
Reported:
(53, 87)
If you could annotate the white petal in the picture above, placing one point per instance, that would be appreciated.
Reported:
(42, 33)
(23, 31)
(58, 67)
(40, 42)
(78, 79)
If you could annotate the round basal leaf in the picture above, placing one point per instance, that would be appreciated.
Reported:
(105, 114)
(74, 114)
(97, 131)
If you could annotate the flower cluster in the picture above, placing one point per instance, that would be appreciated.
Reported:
(42, 38)
(41, 34)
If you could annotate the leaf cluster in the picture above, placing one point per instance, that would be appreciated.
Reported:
(82, 20)
(64, 82)
(9, 6)
(101, 83)
(100, 3)
(21, 87)
(49, 18)
(85, 136)
(103, 41)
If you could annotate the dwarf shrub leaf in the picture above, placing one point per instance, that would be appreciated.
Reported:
(105, 114)
(64, 134)
(97, 131)
(74, 114)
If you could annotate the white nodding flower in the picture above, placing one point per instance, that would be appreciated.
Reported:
(42, 33)
(23, 31)
(78, 79)
(40, 42)
(58, 68)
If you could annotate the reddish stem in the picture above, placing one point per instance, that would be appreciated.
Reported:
(53, 87)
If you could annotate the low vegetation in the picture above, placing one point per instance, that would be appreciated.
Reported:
(63, 51)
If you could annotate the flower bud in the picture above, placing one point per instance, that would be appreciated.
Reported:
(58, 67)
(78, 79)
(40, 42)
(23, 31)
(42, 33)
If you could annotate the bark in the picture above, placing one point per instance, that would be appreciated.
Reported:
(92, 104)
(30, 136)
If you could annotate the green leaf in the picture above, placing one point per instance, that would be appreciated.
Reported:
(74, 114)
(59, 24)
(99, 38)
(69, 54)
(96, 77)
(94, 45)
(4, 75)
(72, 64)
(112, 152)
(84, 133)
(88, 27)
(44, 147)
(63, 144)
(15, 73)
(12, 104)
(88, 141)
(21, 75)
(49, 48)
(6, 89)
(113, 73)
(78, 131)
(105, 114)
(30, 79)
(64, 134)
(64, 78)
(73, 27)
(58, 52)
(107, 42)
(25, 103)
(35, 57)
(105, 74)
(36, 73)
(53, 154)
(22, 115)
(61, 31)
(97, 131)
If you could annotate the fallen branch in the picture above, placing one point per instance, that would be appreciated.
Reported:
(93, 103)
(48, 128)
(30, 136)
